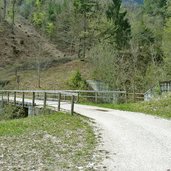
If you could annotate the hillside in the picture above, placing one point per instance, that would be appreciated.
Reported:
(24, 51)
(126, 46)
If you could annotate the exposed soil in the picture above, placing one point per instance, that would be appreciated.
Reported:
(23, 44)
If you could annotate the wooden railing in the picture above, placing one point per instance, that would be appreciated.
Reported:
(23, 96)
(107, 96)
(69, 96)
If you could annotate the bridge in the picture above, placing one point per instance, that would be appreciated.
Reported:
(53, 99)
(39, 98)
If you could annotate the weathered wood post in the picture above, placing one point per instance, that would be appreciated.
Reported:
(45, 99)
(8, 97)
(23, 96)
(15, 96)
(72, 104)
(59, 101)
(114, 98)
(78, 97)
(2, 99)
(126, 97)
(33, 99)
(64, 97)
(96, 99)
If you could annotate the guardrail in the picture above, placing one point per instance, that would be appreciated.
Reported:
(25, 95)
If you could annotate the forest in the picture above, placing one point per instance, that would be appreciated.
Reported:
(127, 43)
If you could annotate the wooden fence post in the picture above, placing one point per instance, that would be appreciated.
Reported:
(45, 99)
(59, 101)
(23, 96)
(2, 100)
(15, 98)
(33, 100)
(7, 97)
(78, 97)
(126, 97)
(72, 104)
(96, 100)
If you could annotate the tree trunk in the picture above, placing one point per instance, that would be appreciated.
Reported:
(84, 40)
(38, 74)
(13, 14)
(5, 9)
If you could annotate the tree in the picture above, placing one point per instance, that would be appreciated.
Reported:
(119, 30)
(85, 9)
(13, 13)
(155, 14)
(156, 7)
(167, 43)
(4, 9)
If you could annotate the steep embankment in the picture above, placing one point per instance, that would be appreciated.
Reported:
(26, 51)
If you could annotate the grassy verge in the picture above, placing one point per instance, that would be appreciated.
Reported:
(159, 107)
(48, 142)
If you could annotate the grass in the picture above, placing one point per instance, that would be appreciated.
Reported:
(47, 142)
(159, 107)
(54, 77)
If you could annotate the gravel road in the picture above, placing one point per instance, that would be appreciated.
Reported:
(135, 141)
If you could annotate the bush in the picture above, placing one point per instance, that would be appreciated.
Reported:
(77, 82)
(12, 112)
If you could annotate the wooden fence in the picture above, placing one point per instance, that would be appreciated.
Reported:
(107, 96)
(23, 96)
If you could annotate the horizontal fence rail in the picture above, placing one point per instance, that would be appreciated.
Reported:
(107, 96)
(44, 97)
(38, 98)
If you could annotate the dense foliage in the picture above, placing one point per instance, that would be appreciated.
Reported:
(128, 44)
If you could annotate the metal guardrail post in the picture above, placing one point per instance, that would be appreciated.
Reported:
(72, 105)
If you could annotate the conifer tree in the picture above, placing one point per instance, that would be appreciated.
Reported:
(119, 32)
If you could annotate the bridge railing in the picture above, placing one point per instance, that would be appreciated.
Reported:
(34, 96)
(107, 96)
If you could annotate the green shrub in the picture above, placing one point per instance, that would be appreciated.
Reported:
(12, 112)
(77, 82)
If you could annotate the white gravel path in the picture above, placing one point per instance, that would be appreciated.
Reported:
(135, 141)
